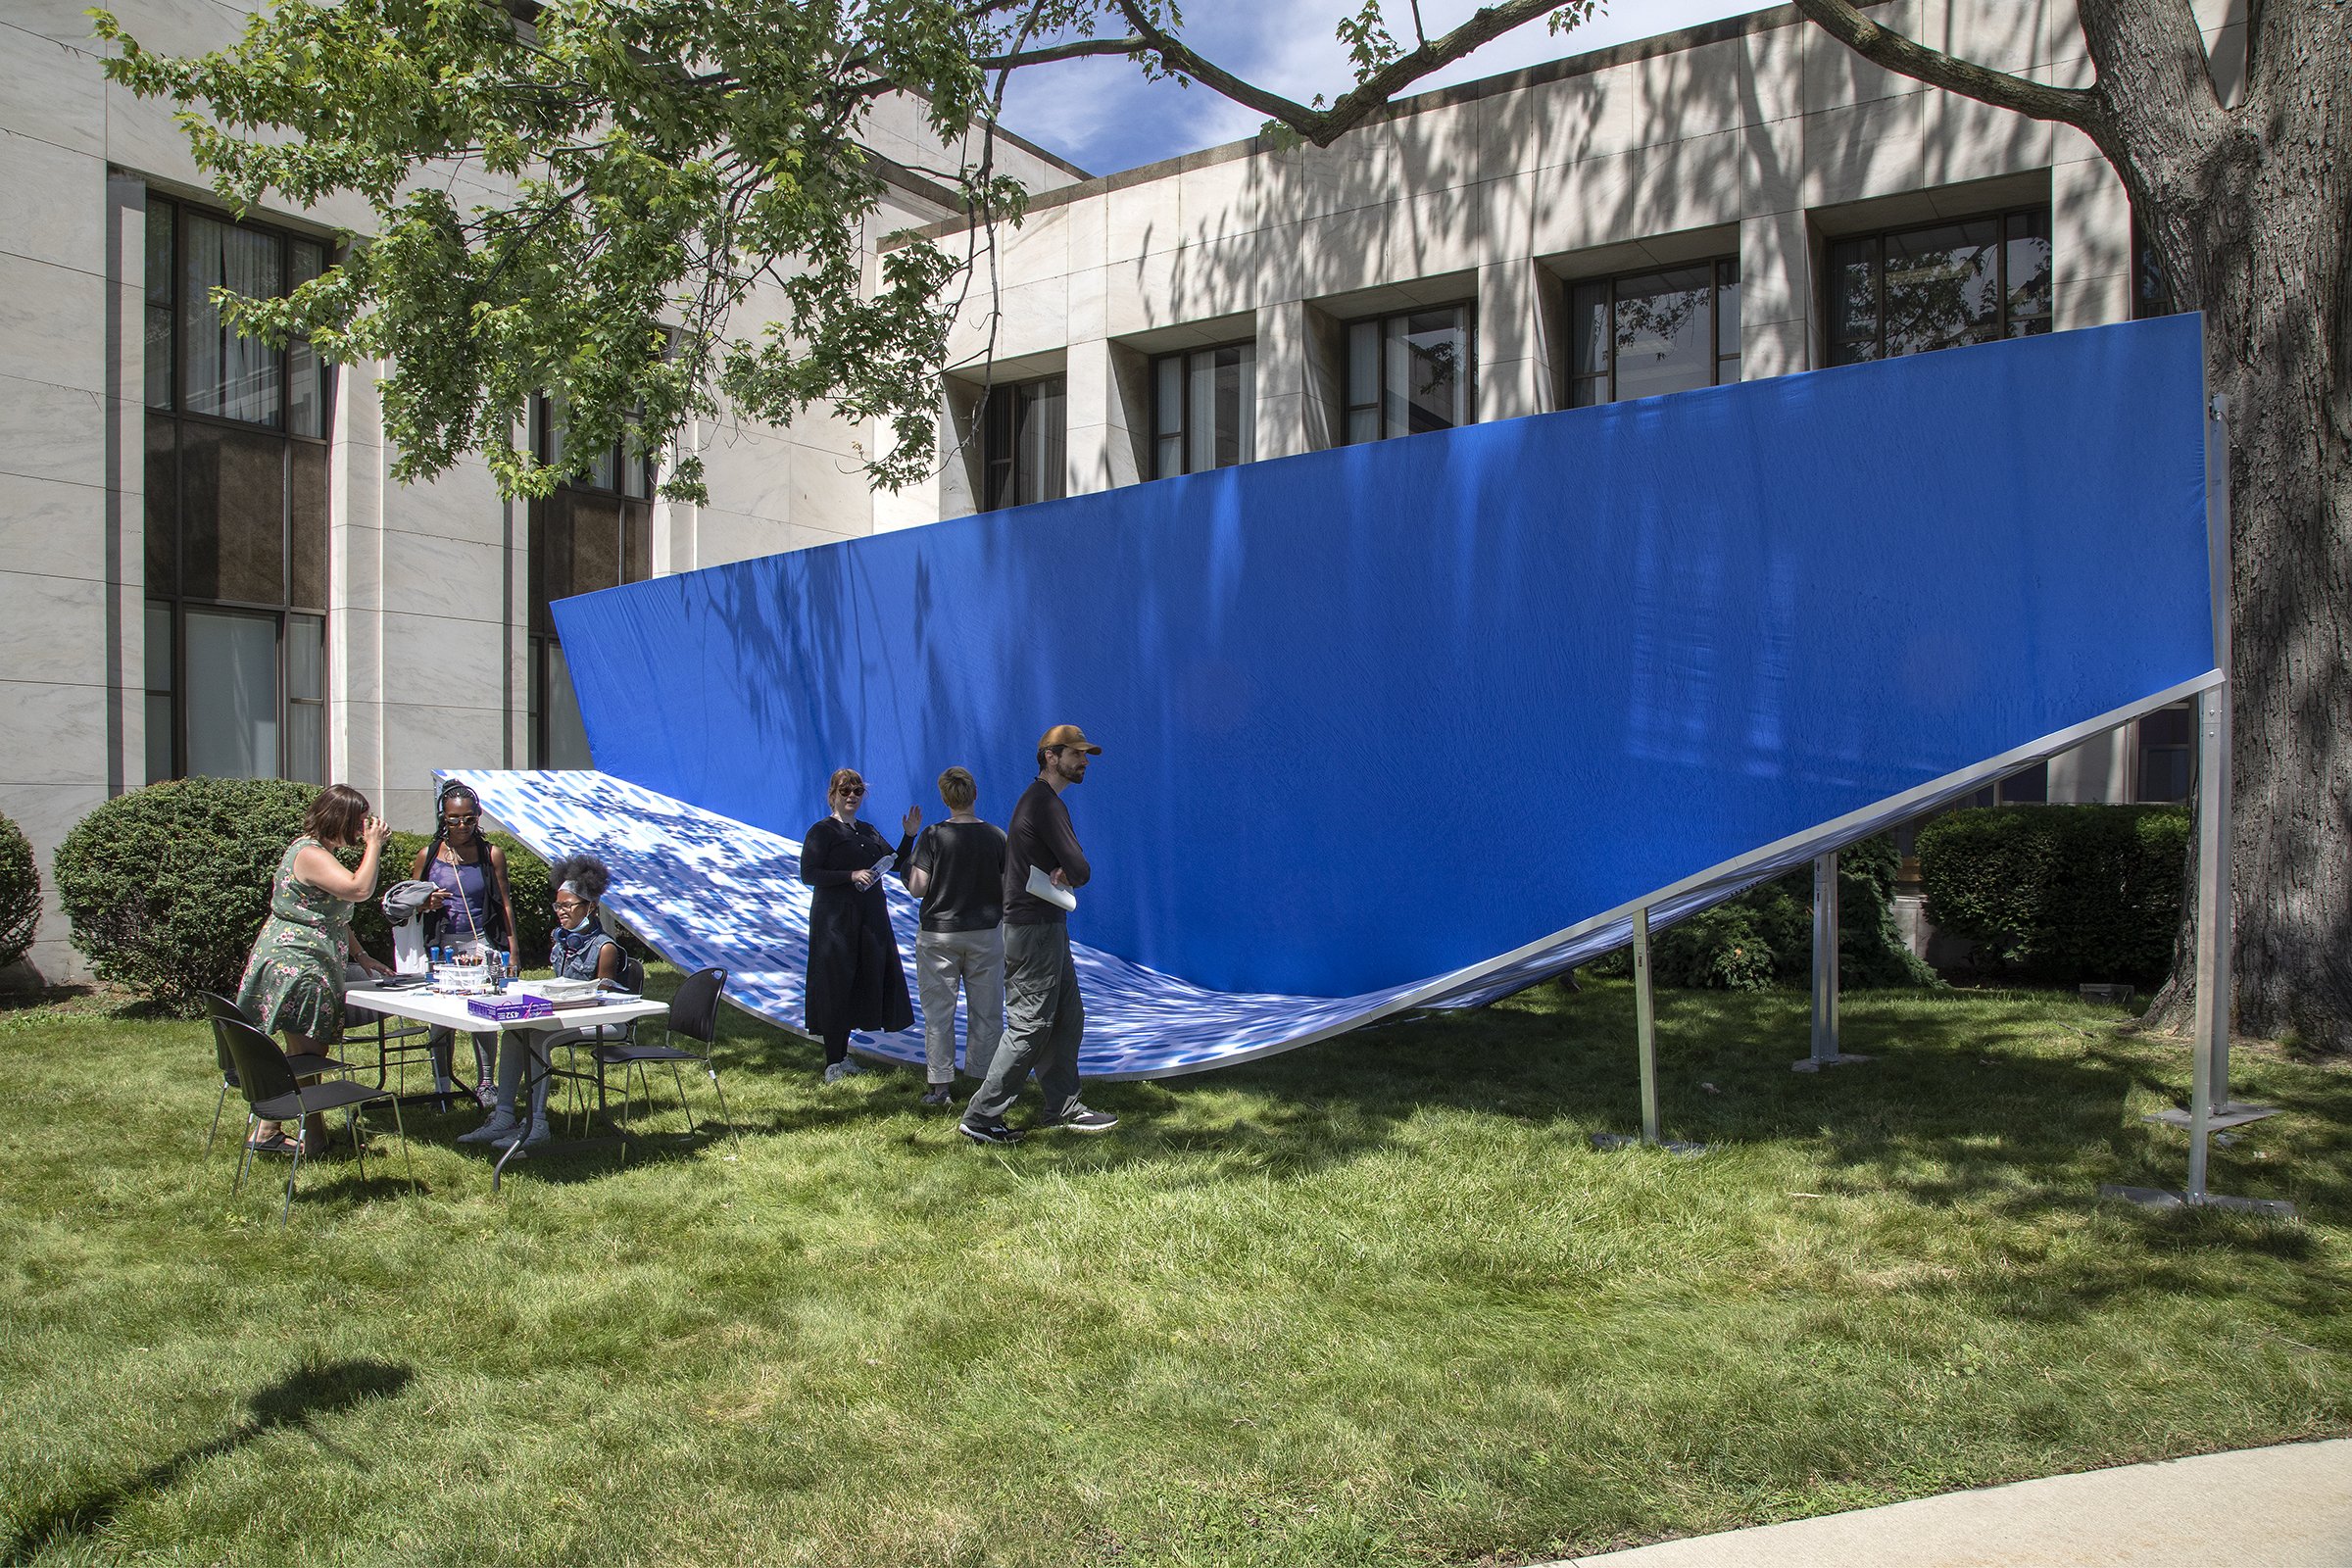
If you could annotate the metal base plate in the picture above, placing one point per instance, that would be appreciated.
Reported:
(1844, 1058)
(2165, 1197)
(2235, 1113)
(1610, 1140)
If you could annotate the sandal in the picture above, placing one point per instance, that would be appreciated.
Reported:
(274, 1144)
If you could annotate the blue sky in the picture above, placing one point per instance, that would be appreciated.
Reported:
(1101, 115)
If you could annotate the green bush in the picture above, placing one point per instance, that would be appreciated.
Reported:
(2061, 894)
(167, 886)
(526, 884)
(20, 892)
(1764, 937)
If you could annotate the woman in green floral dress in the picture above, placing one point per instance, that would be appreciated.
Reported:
(294, 981)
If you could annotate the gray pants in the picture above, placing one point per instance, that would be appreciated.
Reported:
(1044, 1020)
(975, 961)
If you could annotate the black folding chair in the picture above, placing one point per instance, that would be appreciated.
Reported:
(694, 1014)
(265, 1078)
(217, 1008)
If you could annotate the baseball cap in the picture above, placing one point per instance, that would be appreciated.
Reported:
(1069, 735)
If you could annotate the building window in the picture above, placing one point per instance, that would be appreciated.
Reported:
(237, 509)
(2168, 740)
(1022, 444)
(596, 530)
(1204, 410)
(1411, 372)
(1647, 333)
(1940, 286)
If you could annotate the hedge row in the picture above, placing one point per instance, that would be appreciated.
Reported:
(2061, 894)
(1764, 937)
(166, 886)
(20, 892)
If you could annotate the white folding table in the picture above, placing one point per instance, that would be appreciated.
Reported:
(421, 1006)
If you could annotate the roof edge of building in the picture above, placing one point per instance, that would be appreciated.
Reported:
(1536, 75)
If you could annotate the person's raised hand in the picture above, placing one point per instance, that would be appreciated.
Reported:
(911, 821)
(375, 831)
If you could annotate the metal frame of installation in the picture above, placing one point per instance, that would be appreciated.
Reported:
(1709, 655)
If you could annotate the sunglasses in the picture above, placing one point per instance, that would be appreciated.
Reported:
(464, 820)
(849, 791)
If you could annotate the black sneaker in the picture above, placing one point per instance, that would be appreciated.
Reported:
(939, 1095)
(1079, 1119)
(991, 1131)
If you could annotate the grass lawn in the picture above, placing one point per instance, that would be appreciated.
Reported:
(1373, 1301)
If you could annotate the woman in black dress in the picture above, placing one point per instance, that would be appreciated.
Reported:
(855, 978)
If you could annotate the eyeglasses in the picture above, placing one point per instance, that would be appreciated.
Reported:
(567, 906)
(849, 791)
(464, 820)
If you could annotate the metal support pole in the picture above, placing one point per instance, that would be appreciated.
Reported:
(2213, 924)
(1645, 1026)
(1825, 970)
(2209, 1104)
(1825, 956)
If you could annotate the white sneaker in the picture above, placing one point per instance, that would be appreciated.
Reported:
(530, 1138)
(500, 1125)
(847, 1068)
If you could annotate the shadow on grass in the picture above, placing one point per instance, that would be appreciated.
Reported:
(1972, 1099)
(298, 1399)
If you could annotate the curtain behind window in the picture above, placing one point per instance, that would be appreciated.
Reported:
(232, 694)
(234, 377)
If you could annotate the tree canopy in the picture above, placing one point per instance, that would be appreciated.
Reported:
(638, 168)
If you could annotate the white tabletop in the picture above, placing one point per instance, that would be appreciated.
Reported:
(451, 1012)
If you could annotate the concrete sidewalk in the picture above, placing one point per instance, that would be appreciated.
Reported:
(2284, 1507)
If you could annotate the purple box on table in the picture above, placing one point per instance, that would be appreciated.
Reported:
(507, 1010)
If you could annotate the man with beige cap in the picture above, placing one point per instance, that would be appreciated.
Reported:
(1044, 1018)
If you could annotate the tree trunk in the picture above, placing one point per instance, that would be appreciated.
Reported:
(2261, 231)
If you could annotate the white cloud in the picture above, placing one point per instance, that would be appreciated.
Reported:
(1101, 115)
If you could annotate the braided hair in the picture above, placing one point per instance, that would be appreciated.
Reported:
(494, 904)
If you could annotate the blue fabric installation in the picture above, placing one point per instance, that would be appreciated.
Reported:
(1421, 720)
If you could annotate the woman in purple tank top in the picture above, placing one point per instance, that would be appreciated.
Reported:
(470, 908)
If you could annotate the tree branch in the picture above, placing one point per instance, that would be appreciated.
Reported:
(1323, 126)
(2085, 109)
(1074, 49)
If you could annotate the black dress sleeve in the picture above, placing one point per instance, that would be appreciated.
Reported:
(817, 856)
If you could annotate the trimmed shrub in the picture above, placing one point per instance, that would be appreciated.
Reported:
(167, 886)
(1764, 937)
(526, 884)
(20, 892)
(2061, 894)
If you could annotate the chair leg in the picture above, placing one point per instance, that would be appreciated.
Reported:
(218, 1106)
(358, 1145)
(294, 1171)
(732, 1130)
(238, 1185)
(399, 1125)
(679, 1079)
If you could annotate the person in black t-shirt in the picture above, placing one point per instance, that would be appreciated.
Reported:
(1043, 1017)
(957, 870)
(855, 978)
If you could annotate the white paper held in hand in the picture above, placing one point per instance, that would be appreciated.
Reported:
(1042, 886)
